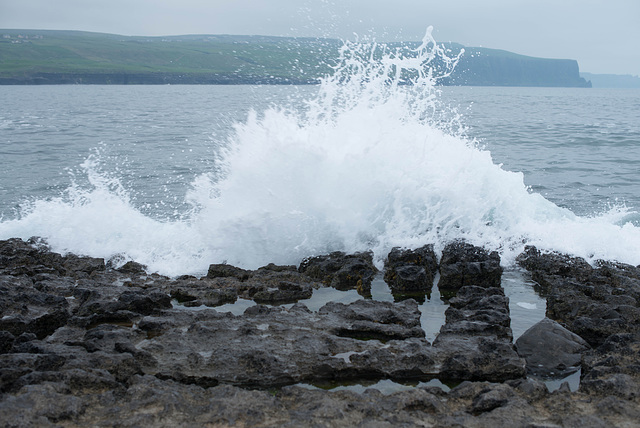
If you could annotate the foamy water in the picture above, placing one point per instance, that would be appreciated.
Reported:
(367, 163)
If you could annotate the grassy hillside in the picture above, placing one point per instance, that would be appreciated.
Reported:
(41, 56)
(29, 52)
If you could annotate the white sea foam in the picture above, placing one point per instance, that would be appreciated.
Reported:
(369, 164)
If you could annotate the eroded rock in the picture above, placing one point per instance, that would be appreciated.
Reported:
(593, 303)
(342, 271)
(465, 264)
(476, 339)
(410, 272)
(79, 344)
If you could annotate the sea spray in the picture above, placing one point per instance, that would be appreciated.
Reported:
(373, 161)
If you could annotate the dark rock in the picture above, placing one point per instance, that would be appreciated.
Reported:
(262, 349)
(613, 367)
(287, 292)
(82, 266)
(551, 350)
(118, 317)
(532, 389)
(132, 267)
(593, 303)
(342, 271)
(144, 304)
(417, 401)
(48, 323)
(6, 341)
(479, 358)
(553, 263)
(224, 271)
(618, 410)
(477, 311)
(465, 264)
(18, 257)
(475, 341)
(271, 267)
(616, 384)
(26, 309)
(219, 297)
(271, 284)
(34, 258)
(207, 296)
(409, 271)
(182, 295)
(490, 399)
(79, 343)
(367, 319)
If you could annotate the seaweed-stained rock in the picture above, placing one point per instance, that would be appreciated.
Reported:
(465, 264)
(411, 271)
(342, 271)
(551, 350)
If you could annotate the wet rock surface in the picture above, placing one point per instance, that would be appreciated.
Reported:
(593, 302)
(83, 343)
(465, 264)
(600, 304)
(342, 271)
(411, 271)
(477, 338)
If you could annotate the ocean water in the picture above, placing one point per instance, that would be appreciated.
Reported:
(178, 177)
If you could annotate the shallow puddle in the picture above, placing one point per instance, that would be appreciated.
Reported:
(573, 380)
(525, 305)
(385, 386)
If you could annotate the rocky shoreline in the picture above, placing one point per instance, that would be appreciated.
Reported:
(88, 343)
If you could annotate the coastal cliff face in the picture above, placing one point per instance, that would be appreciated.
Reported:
(484, 67)
(62, 57)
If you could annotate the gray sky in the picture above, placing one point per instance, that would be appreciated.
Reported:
(603, 35)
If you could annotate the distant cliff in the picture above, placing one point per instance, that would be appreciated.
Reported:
(612, 80)
(72, 57)
(492, 67)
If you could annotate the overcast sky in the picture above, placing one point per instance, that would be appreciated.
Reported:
(603, 35)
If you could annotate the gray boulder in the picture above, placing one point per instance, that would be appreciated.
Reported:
(551, 350)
